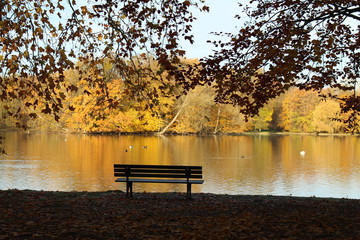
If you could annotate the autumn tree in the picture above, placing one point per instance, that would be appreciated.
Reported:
(228, 119)
(194, 111)
(40, 39)
(298, 43)
(297, 110)
(117, 111)
(264, 118)
(324, 115)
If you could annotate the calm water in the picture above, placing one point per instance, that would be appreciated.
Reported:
(232, 164)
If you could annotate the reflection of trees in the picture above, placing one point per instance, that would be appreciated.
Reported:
(230, 163)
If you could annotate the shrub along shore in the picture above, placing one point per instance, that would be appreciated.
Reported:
(110, 215)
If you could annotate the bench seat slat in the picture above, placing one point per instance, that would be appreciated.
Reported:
(157, 171)
(155, 166)
(159, 180)
(143, 175)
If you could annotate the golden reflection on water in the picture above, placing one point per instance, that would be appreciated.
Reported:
(258, 164)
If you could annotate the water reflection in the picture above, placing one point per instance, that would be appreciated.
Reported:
(272, 164)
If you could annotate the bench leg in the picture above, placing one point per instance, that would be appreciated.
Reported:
(188, 192)
(128, 189)
(131, 185)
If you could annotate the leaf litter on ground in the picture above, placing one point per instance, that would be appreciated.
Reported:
(110, 215)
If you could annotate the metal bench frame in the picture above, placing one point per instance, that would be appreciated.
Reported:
(131, 173)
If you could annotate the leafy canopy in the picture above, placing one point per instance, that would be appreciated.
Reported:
(40, 39)
(310, 44)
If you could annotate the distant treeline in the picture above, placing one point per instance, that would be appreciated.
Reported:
(86, 111)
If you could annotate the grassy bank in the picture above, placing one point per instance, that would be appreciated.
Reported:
(110, 215)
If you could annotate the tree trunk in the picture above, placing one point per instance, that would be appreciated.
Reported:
(217, 121)
(175, 117)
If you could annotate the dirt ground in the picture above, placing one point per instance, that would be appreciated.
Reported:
(110, 215)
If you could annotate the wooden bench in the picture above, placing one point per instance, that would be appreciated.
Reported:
(158, 174)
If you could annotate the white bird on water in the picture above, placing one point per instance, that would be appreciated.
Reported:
(131, 147)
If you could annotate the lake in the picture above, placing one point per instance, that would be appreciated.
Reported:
(329, 166)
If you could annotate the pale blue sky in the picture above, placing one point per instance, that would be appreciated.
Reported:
(220, 18)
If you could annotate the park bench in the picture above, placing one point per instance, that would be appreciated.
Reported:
(158, 174)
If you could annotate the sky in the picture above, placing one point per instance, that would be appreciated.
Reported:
(220, 18)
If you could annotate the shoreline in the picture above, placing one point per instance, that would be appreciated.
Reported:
(110, 215)
(250, 133)
(179, 195)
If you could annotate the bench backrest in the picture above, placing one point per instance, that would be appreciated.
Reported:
(157, 171)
